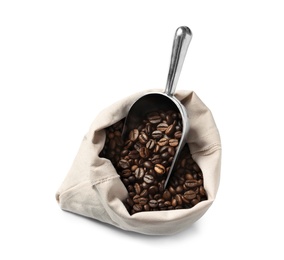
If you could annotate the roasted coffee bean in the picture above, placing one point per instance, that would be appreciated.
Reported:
(162, 127)
(148, 164)
(153, 203)
(143, 138)
(169, 119)
(190, 194)
(173, 142)
(148, 178)
(177, 134)
(159, 168)
(157, 134)
(137, 188)
(124, 164)
(153, 189)
(178, 198)
(150, 144)
(154, 118)
(134, 167)
(139, 173)
(126, 173)
(170, 130)
(202, 191)
(144, 152)
(156, 159)
(144, 193)
(167, 195)
(133, 154)
(163, 141)
(136, 199)
(137, 146)
(143, 201)
(165, 155)
(188, 176)
(133, 135)
(137, 207)
(179, 189)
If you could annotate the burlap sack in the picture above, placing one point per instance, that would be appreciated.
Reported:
(93, 188)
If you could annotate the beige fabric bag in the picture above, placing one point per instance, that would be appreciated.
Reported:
(93, 188)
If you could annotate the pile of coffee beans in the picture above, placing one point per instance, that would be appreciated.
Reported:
(144, 159)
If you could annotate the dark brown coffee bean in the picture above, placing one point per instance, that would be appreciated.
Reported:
(179, 189)
(148, 164)
(170, 130)
(165, 155)
(136, 199)
(153, 190)
(124, 164)
(151, 144)
(163, 141)
(144, 193)
(157, 134)
(126, 173)
(169, 119)
(191, 183)
(133, 154)
(162, 127)
(139, 173)
(137, 207)
(134, 167)
(144, 152)
(171, 150)
(148, 178)
(132, 179)
(145, 185)
(159, 168)
(124, 152)
(190, 194)
(154, 118)
(148, 128)
(137, 188)
(167, 203)
(188, 176)
(177, 134)
(185, 200)
(173, 142)
(172, 190)
(178, 198)
(156, 159)
(174, 202)
(146, 207)
(143, 138)
(202, 191)
(153, 203)
(133, 135)
(143, 201)
(195, 201)
(167, 195)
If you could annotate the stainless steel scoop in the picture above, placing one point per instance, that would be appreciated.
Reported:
(155, 101)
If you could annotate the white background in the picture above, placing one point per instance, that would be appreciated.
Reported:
(62, 62)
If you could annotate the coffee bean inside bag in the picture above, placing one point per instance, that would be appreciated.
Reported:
(120, 182)
(144, 159)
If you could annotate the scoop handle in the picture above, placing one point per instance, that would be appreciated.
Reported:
(181, 42)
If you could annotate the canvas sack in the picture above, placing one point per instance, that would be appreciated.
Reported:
(92, 187)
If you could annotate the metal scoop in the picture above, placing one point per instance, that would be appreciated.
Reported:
(155, 101)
